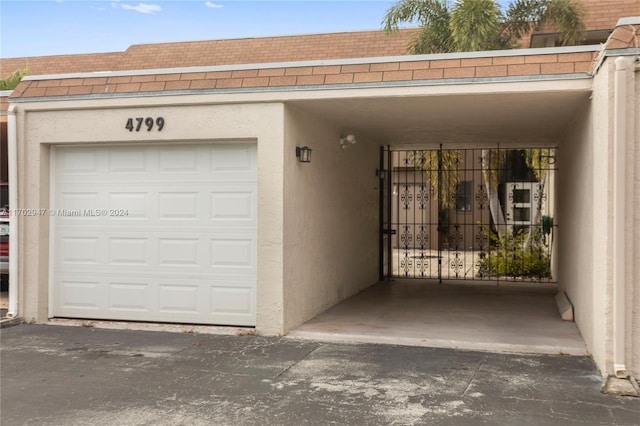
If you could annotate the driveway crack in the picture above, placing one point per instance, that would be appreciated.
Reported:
(296, 362)
(466, 389)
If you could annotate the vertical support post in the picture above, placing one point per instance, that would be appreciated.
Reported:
(619, 217)
(440, 224)
(13, 205)
(389, 183)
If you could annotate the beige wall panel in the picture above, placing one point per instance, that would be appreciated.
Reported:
(602, 242)
(331, 218)
(633, 210)
(575, 217)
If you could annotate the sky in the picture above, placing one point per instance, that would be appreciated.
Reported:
(56, 27)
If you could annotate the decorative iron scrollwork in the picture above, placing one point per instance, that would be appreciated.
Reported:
(457, 264)
(540, 196)
(406, 264)
(456, 238)
(481, 239)
(406, 197)
(422, 197)
(406, 237)
(422, 237)
(482, 196)
(422, 265)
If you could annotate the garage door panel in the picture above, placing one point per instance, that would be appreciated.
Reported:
(80, 295)
(178, 252)
(129, 251)
(228, 253)
(178, 298)
(78, 201)
(135, 204)
(176, 159)
(78, 162)
(239, 301)
(128, 160)
(185, 252)
(80, 250)
(171, 299)
(233, 254)
(178, 205)
(226, 205)
(129, 296)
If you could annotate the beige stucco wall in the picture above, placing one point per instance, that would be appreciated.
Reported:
(42, 125)
(633, 209)
(575, 218)
(586, 218)
(631, 220)
(331, 217)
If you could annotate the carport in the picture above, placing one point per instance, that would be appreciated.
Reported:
(471, 314)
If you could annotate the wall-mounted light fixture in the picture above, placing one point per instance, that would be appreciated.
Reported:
(303, 154)
(346, 140)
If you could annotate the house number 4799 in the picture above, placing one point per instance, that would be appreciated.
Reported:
(149, 123)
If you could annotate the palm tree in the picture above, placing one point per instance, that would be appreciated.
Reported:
(472, 25)
(12, 80)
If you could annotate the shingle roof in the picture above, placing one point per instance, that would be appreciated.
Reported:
(363, 73)
(342, 45)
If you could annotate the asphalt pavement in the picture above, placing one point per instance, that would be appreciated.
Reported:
(62, 375)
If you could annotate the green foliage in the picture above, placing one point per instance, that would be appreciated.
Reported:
(566, 16)
(472, 25)
(510, 258)
(12, 80)
(442, 169)
(432, 15)
(477, 25)
(539, 160)
(493, 161)
(569, 17)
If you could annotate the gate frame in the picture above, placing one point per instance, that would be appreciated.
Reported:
(544, 229)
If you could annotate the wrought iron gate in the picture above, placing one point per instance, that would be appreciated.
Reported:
(468, 214)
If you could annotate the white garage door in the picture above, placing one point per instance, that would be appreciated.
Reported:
(160, 233)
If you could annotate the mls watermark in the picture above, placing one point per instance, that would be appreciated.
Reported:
(69, 212)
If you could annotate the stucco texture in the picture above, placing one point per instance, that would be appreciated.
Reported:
(330, 219)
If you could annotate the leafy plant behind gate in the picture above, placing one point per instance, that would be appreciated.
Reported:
(511, 258)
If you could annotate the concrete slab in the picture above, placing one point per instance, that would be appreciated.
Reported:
(514, 318)
(53, 375)
(620, 387)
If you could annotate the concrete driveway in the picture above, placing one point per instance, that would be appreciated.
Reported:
(61, 375)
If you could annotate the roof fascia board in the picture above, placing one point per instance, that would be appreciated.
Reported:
(324, 62)
(331, 88)
(629, 20)
(217, 98)
(5, 93)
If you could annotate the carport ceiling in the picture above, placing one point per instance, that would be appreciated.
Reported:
(511, 118)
